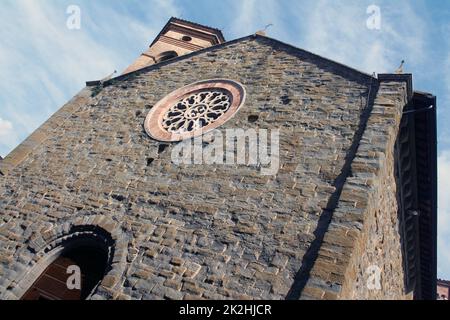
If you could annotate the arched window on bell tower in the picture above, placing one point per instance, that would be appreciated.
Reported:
(167, 55)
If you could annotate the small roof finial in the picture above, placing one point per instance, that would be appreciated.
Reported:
(263, 31)
(400, 69)
(109, 77)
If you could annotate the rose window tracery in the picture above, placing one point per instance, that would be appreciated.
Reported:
(194, 110)
(197, 111)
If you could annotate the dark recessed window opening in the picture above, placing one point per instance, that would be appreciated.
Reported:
(118, 197)
(253, 118)
(285, 99)
(166, 56)
(187, 39)
(52, 283)
(162, 147)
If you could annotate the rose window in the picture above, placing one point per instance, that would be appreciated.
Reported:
(194, 110)
(197, 111)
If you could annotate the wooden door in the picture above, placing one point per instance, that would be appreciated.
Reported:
(52, 283)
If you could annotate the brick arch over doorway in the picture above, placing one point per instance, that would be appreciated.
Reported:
(70, 241)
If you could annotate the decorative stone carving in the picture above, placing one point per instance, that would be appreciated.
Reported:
(194, 110)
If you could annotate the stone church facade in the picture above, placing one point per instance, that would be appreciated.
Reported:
(349, 214)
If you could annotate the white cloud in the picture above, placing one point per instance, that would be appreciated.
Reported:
(337, 30)
(246, 19)
(254, 15)
(43, 63)
(444, 215)
(447, 75)
(6, 128)
(8, 137)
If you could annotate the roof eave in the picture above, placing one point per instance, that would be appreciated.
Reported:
(367, 76)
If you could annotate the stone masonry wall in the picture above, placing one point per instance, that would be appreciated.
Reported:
(185, 232)
(363, 236)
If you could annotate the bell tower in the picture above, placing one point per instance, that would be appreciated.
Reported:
(177, 38)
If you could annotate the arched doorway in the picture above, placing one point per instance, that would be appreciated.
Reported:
(52, 284)
(71, 267)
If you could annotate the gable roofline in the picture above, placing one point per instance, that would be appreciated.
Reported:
(342, 66)
(316, 56)
(25, 148)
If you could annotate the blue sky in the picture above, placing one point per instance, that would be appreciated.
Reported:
(43, 63)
